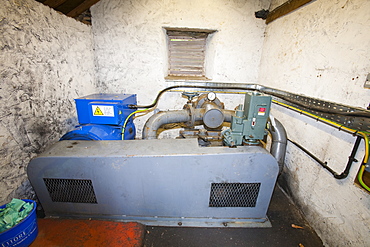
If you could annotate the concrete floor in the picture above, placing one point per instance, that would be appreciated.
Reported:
(282, 214)
(88, 233)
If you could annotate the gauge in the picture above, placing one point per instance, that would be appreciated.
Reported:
(211, 96)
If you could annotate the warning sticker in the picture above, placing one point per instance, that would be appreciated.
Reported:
(98, 112)
(103, 110)
(261, 111)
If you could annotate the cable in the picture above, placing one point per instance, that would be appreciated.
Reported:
(340, 126)
(363, 166)
(126, 120)
(359, 177)
(322, 163)
(351, 159)
(187, 86)
(364, 114)
(366, 138)
(364, 135)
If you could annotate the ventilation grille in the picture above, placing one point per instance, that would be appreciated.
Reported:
(186, 53)
(70, 190)
(234, 194)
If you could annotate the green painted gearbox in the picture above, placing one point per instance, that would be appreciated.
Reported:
(249, 124)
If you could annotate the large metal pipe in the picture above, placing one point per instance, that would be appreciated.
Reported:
(279, 142)
(228, 114)
(276, 129)
(166, 117)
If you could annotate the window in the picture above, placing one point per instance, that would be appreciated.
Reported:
(187, 53)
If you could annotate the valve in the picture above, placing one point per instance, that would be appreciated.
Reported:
(190, 95)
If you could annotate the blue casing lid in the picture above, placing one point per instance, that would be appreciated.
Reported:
(104, 108)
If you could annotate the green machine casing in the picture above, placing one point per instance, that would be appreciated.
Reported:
(249, 124)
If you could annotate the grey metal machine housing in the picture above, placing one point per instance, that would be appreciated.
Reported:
(191, 181)
(156, 182)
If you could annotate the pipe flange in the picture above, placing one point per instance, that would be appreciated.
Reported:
(203, 99)
(191, 122)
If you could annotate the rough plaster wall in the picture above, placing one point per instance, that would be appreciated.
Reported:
(276, 3)
(130, 44)
(46, 61)
(322, 50)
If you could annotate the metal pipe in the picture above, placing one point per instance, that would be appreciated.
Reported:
(213, 116)
(228, 114)
(277, 130)
(322, 163)
(161, 118)
(279, 142)
(166, 117)
(355, 112)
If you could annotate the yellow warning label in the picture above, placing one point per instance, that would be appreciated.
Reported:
(98, 112)
(102, 110)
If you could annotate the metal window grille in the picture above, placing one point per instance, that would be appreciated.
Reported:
(186, 53)
(234, 194)
(70, 190)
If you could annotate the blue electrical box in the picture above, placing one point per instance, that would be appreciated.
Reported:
(104, 108)
(102, 116)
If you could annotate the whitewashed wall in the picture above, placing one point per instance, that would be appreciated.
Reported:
(130, 44)
(46, 60)
(276, 3)
(322, 50)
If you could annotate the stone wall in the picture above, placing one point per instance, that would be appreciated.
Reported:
(276, 3)
(131, 48)
(322, 50)
(46, 60)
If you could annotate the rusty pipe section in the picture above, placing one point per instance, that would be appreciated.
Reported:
(279, 142)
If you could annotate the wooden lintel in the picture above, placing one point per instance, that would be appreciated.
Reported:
(285, 8)
(54, 3)
(187, 29)
(85, 5)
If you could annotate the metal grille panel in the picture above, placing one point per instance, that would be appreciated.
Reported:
(234, 194)
(70, 190)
